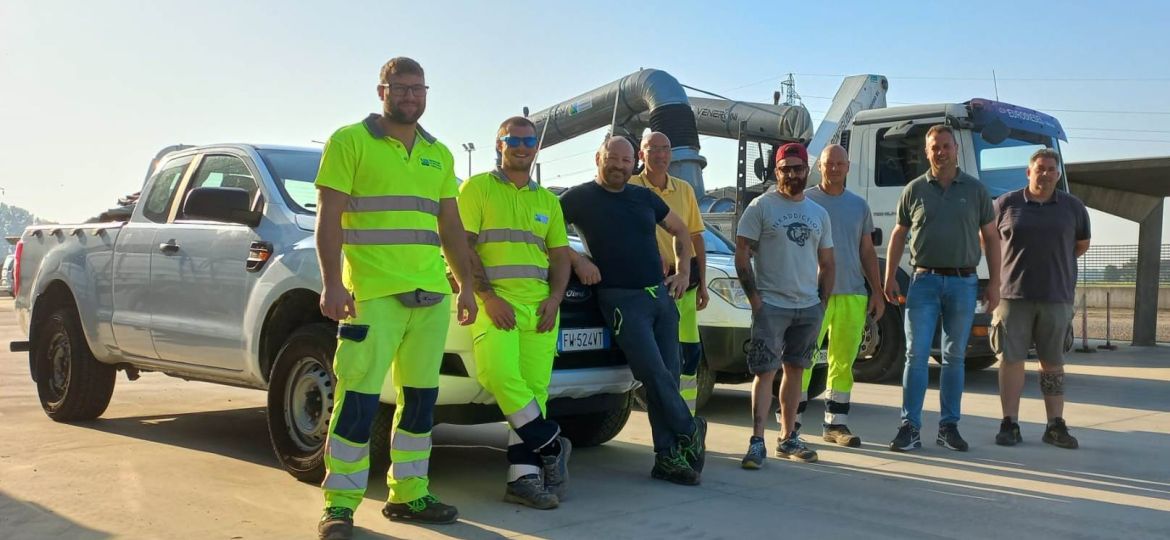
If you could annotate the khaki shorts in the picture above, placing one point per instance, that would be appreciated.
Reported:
(1017, 325)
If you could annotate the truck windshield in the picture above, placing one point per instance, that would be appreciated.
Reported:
(295, 171)
(1003, 167)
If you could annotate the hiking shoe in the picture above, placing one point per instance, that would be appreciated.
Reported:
(336, 524)
(673, 467)
(529, 491)
(840, 435)
(754, 459)
(556, 469)
(425, 509)
(1057, 435)
(1009, 433)
(948, 437)
(793, 448)
(694, 446)
(907, 439)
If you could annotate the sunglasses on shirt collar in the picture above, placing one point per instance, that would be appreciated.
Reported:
(514, 142)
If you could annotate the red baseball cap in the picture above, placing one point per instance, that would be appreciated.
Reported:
(796, 150)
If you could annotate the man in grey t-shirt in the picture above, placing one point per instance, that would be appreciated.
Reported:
(855, 263)
(789, 239)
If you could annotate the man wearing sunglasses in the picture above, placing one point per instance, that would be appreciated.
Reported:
(618, 223)
(784, 259)
(520, 264)
(386, 205)
(680, 197)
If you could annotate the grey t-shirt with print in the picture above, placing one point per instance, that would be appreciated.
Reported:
(789, 234)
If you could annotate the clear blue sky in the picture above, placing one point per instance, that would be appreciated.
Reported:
(89, 91)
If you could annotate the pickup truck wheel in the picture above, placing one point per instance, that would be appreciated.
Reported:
(883, 348)
(71, 383)
(595, 429)
(300, 401)
(979, 362)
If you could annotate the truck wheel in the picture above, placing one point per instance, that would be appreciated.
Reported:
(380, 439)
(704, 376)
(595, 429)
(300, 401)
(883, 348)
(979, 362)
(71, 383)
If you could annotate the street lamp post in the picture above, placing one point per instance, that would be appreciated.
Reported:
(469, 147)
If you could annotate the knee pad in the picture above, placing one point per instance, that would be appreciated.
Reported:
(357, 415)
(417, 409)
(1052, 383)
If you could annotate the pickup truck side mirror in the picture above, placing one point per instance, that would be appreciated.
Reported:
(877, 236)
(229, 205)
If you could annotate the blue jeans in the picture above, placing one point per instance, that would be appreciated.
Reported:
(931, 296)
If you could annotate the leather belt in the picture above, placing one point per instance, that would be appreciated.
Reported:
(960, 272)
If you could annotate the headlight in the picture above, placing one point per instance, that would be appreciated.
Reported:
(730, 291)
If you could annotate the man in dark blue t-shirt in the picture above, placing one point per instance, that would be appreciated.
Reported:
(618, 223)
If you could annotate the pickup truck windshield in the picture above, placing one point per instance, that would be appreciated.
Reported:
(1003, 167)
(294, 171)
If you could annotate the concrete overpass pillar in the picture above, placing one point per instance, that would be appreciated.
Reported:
(1145, 309)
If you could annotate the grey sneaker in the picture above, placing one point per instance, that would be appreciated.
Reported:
(336, 524)
(756, 454)
(556, 469)
(793, 448)
(529, 491)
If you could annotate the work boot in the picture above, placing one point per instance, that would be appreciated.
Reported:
(336, 524)
(756, 454)
(1009, 433)
(793, 448)
(673, 467)
(694, 446)
(556, 469)
(948, 437)
(529, 490)
(425, 509)
(840, 435)
(907, 438)
(1057, 435)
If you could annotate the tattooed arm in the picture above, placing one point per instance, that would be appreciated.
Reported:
(744, 249)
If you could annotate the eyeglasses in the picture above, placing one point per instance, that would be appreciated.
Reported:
(399, 90)
(792, 169)
(514, 142)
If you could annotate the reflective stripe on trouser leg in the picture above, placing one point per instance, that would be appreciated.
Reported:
(362, 360)
(516, 367)
(415, 376)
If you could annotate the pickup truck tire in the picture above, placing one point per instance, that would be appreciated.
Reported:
(71, 383)
(300, 400)
(704, 376)
(979, 362)
(883, 348)
(595, 429)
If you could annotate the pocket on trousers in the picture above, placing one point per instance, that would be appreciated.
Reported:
(351, 361)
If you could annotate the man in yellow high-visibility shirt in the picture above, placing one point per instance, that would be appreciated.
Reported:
(520, 264)
(680, 197)
(386, 204)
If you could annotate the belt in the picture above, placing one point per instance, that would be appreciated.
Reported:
(960, 272)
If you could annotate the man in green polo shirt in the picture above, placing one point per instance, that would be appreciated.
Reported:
(947, 213)
(386, 205)
(520, 260)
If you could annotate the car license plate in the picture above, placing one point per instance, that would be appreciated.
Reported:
(583, 339)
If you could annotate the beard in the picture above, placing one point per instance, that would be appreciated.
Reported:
(792, 186)
(615, 177)
(399, 116)
(516, 164)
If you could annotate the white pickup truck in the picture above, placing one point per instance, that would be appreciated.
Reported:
(214, 277)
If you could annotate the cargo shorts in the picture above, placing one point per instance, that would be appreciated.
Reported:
(1017, 325)
(787, 335)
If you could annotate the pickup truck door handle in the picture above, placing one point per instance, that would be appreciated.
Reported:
(169, 247)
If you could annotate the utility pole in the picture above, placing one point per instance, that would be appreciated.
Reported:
(788, 87)
(470, 147)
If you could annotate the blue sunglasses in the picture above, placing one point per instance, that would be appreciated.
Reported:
(514, 142)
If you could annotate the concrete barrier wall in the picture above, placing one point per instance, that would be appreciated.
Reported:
(1119, 297)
